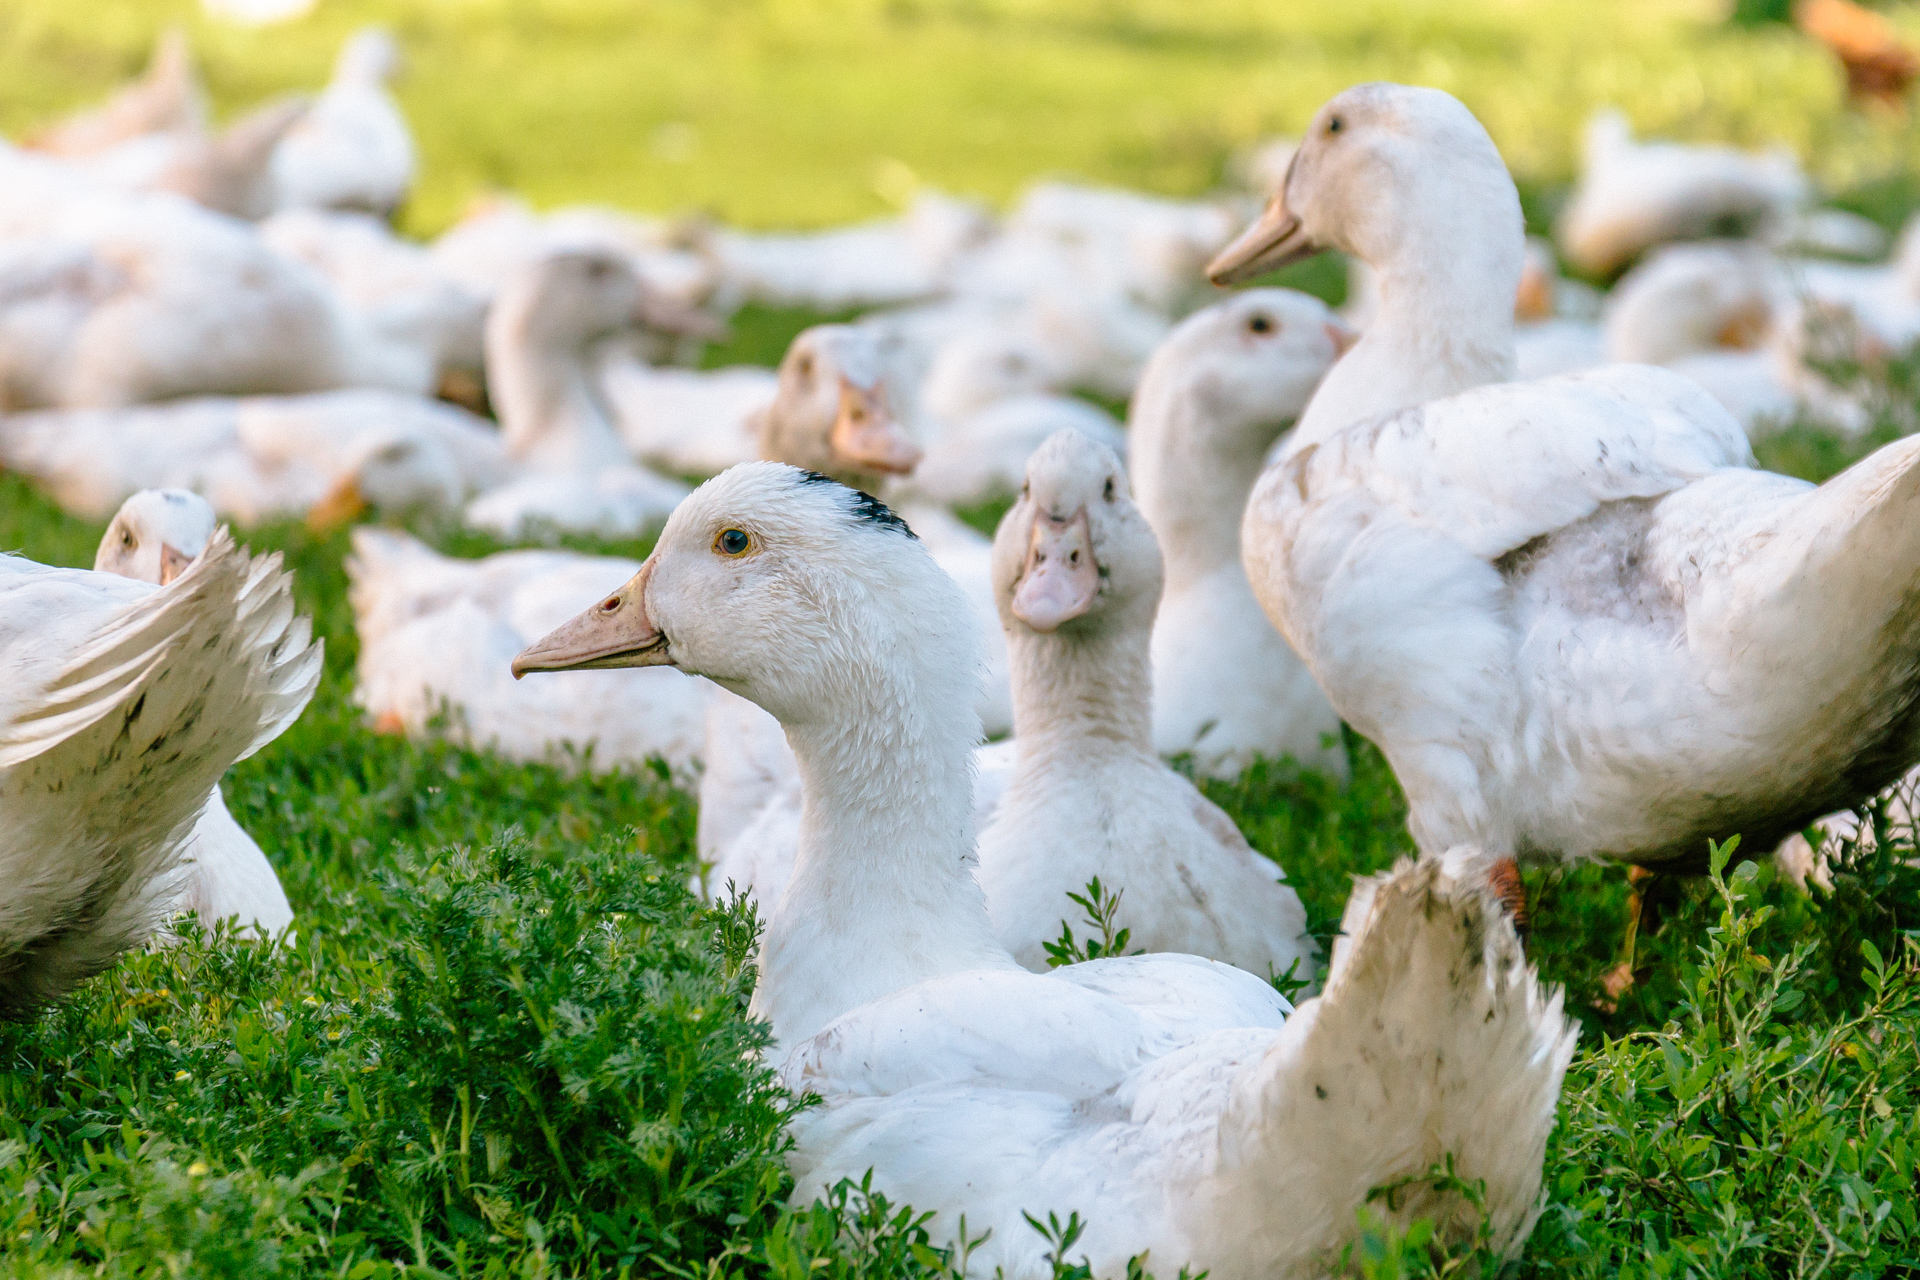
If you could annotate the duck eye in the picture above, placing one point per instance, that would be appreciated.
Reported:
(1260, 324)
(1109, 488)
(804, 366)
(733, 542)
(126, 539)
(1335, 125)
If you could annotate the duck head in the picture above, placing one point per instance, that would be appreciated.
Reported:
(155, 535)
(831, 412)
(1074, 555)
(1251, 361)
(570, 300)
(792, 590)
(1385, 170)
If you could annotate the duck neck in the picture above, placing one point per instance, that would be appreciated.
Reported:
(550, 412)
(1192, 474)
(1443, 325)
(882, 893)
(1081, 694)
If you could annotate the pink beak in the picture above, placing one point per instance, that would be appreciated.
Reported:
(1060, 580)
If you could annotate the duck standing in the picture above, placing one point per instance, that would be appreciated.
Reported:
(1572, 613)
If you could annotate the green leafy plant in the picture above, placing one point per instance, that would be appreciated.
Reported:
(1101, 914)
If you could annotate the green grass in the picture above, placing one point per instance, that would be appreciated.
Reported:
(807, 112)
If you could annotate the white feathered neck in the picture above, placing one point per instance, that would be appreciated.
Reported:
(1439, 222)
(875, 689)
(543, 388)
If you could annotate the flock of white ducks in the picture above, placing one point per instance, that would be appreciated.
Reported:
(1171, 1101)
(1562, 606)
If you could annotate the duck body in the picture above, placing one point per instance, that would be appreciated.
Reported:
(107, 301)
(259, 458)
(154, 536)
(1609, 623)
(433, 630)
(353, 149)
(104, 668)
(1171, 1101)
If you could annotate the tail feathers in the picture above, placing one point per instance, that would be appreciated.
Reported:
(1830, 592)
(1432, 1038)
(102, 781)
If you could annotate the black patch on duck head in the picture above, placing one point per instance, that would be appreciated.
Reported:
(865, 507)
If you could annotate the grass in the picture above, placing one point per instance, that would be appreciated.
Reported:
(509, 1043)
(809, 112)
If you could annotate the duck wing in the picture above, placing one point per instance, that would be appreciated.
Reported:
(131, 704)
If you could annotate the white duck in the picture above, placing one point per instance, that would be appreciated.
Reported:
(541, 335)
(830, 415)
(1572, 614)
(153, 538)
(353, 150)
(1634, 195)
(109, 299)
(1077, 575)
(1216, 395)
(101, 671)
(167, 98)
(988, 401)
(1171, 1101)
(394, 287)
(326, 456)
(432, 630)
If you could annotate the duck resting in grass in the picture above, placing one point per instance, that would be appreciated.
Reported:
(154, 536)
(1076, 572)
(1175, 1103)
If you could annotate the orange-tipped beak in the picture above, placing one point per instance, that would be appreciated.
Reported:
(614, 633)
(865, 436)
(173, 562)
(343, 504)
(1275, 239)
(1060, 580)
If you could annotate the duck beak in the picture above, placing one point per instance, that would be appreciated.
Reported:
(665, 315)
(1275, 239)
(1060, 580)
(173, 562)
(1533, 301)
(614, 633)
(865, 436)
(343, 504)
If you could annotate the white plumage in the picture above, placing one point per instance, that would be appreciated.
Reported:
(1216, 395)
(126, 703)
(1572, 614)
(1171, 1101)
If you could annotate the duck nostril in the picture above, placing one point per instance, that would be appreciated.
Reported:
(610, 605)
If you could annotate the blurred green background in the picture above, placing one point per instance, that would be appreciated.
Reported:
(809, 112)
